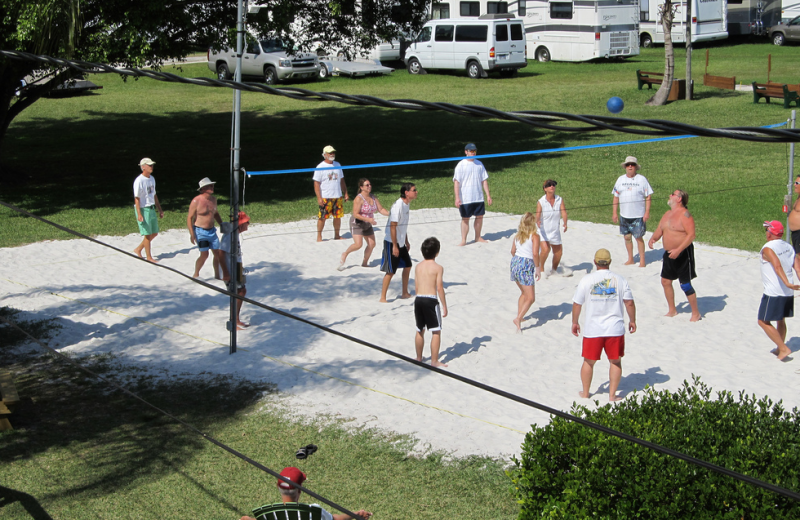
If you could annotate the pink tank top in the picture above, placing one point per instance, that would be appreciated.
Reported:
(368, 210)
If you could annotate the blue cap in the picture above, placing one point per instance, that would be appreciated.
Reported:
(471, 147)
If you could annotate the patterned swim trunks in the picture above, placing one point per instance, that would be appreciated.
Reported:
(331, 208)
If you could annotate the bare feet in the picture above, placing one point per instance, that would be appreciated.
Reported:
(319, 238)
(365, 264)
(437, 364)
(152, 260)
(337, 237)
(240, 325)
(583, 394)
(405, 296)
(218, 277)
(782, 353)
(480, 239)
(517, 324)
(138, 252)
(629, 262)
(226, 279)
(642, 264)
(614, 398)
(383, 300)
(196, 275)
(341, 264)
(695, 317)
(462, 244)
(670, 314)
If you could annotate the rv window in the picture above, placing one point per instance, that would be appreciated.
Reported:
(522, 7)
(471, 33)
(561, 10)
(440, 11)
(470, 8)
(501, 33)
(737, 2)
(644, 15)
(517, 33)
(444, 33)
(496, 7)
(424, 35)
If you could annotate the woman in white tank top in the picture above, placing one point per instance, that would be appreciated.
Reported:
(525, 265)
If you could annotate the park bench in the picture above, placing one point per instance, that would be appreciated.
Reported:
(719, 81)
(9, 396)
(288, 511)
(789, 93)
(649, 78)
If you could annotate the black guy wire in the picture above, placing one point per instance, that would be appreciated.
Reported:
(477, 384)
(536, 118)
(176, 419)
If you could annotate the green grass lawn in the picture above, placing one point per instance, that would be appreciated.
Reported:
(79, 156)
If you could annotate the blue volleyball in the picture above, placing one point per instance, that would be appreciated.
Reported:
(615, 105)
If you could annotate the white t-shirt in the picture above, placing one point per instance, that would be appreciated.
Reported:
(773, 286)
(524, 250)
(631, 193)
(601, 294)
(330, 181)
(399, 213)
(470, 174)
(145, 189)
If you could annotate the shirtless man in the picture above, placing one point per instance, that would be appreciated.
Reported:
(677, 229)
(202, 214)
(794, 226)
(427, 312)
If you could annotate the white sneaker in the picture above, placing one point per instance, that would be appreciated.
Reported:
(549, 273)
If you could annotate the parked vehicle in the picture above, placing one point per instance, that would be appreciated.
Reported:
(563, 30)
(492, 43)
(753, 17)
(355, 69)
(790, 9)
(785, 32)
(267, 59)
(384, 51)
(709, 22)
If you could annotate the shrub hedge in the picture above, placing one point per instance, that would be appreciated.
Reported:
(570, 471)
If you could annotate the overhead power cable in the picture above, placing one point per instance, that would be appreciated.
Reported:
(558, 121)
(471, 382)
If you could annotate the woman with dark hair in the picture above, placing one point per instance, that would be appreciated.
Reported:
(364, 208)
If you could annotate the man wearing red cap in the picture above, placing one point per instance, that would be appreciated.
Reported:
(290, 494)
(777, 303)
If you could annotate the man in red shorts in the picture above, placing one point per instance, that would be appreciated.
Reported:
(607, 297)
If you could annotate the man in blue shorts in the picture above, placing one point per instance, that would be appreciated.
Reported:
(395, 241)
(148, 209)
(632, 197)
(777, 303)
(200, 221)
(469, 182)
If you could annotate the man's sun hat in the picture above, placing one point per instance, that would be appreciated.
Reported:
(602, 257)
(205, 182)
(774, 227)
(631, 160)
(471, 147)
(293, 474)
(148, 161)
(329, 149)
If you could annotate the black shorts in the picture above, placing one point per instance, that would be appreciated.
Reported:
(475, 209)
(775, 308)
(682, 268)
(427, 313)
(390, 264)
(796, 241)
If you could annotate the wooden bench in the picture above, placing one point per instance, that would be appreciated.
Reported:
(719, 82)
(649, 78)
(789, 93)
(9, 395)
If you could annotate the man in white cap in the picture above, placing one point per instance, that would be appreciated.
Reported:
(200, 221)
(607, 297)
(146, 204)
(329, 186)
(470, 180)
(777, 303)
(632, 197)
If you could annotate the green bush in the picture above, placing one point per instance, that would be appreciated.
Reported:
(571, 471)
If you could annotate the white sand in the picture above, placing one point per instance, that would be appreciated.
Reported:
(108, 302)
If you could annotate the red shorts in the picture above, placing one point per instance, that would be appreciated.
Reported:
(614, 347)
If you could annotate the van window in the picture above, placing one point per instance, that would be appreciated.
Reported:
(496, 7)
(517, 34)
(470, 8)
(424, 35)
(444, 33)
(471, 33)
(522, 7)
(501, 33)
(561, 10)
(440, 11)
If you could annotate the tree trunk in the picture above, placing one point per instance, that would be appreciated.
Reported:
(660, 98)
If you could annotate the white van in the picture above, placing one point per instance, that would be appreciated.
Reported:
(491, 43)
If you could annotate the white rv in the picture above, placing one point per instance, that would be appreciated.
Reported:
(709, 22)
(562, 30)
(753, 16)
(790, 9)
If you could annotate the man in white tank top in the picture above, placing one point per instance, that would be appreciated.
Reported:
(777, 303)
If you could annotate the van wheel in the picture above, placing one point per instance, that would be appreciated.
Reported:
(323, 71)
(542, 54)
(270, 76)
(646, 41)
(223, 72)
(474, 69)
(414, 66)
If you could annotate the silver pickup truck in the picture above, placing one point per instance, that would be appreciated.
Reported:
(266, 59)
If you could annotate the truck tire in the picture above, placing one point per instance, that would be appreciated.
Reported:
(542, 54)
(270, 75)
(646, 41)
(778, 39)
(223, 72)
(414, 67)
(323, 71)
(474, 69)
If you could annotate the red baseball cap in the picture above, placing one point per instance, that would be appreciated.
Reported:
(774, 227)
(293, 474)
(243, 218)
